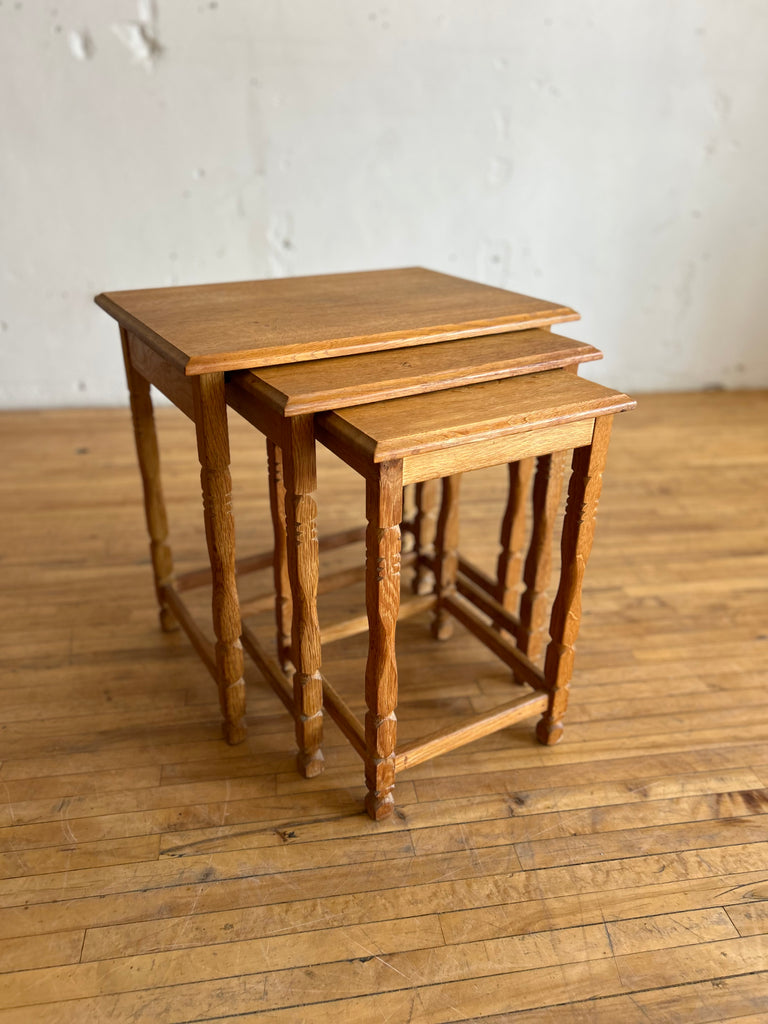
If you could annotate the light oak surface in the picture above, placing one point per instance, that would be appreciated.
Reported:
(206, 328)
(153, 873)
(349, 380)
(409, 426)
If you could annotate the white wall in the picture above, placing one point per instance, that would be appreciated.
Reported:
(608, 154)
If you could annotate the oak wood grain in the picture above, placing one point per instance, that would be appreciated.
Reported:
(509, 567)
(577, 536)
(446, 555)
(281, 575)
(303, 571)
(537, 572)
(216, 482)
(383, 509)
(210, 328)
(386, 430)
(148, 456)
(424, 527)
(336, 383)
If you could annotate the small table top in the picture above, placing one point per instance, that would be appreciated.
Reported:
(216, 327)
(394, 429)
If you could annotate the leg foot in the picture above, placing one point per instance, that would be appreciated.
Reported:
(308, 702)
(549, 733)
(168, 623)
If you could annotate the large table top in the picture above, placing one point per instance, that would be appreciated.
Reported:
(215, 327)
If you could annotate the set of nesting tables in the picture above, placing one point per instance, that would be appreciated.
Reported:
(410, 377)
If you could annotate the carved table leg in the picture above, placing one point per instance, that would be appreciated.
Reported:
(408, 525)
(547, 490)
(578, 532)
(509, 569)
(446, 555)
(213, 452)
(382, 595)
(427, 498)
(283, 605)
(303, 568)
(149, 467)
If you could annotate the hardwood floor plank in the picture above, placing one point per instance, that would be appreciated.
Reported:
(697, 1003)
(470, 910)
(648, 840)
(750, 920)
(661, 931)
(28, 952)
(74, 855)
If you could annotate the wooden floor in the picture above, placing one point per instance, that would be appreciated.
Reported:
(152, 874)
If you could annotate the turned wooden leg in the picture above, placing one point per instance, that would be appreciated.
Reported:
(300, 479)
(446, 555)
(578, 533)
(382, 595)
(425, 524)
(408, 525)
(509, 568)
(149, 467)
(213, 452)
(283, 604)
(547, 490)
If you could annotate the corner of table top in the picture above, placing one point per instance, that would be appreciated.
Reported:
(139, 330)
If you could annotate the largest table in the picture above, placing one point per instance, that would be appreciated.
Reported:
(187, 340)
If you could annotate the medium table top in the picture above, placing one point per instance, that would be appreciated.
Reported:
(215, 327)
(310, 387)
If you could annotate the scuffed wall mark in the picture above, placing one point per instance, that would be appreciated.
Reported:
(723, 105)
(684, 289)
(494, 260)
(542, 84)
(281, 244)
(80, 45)
(140, 37)
(143, 47)
(500, 171)
(503, 119)
(147, 13)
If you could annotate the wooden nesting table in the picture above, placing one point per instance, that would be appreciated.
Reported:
(361, 338)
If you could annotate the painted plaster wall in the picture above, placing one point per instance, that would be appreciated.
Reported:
(608, 154)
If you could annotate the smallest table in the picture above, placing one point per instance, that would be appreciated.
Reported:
(422, 437)
(415, 439)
